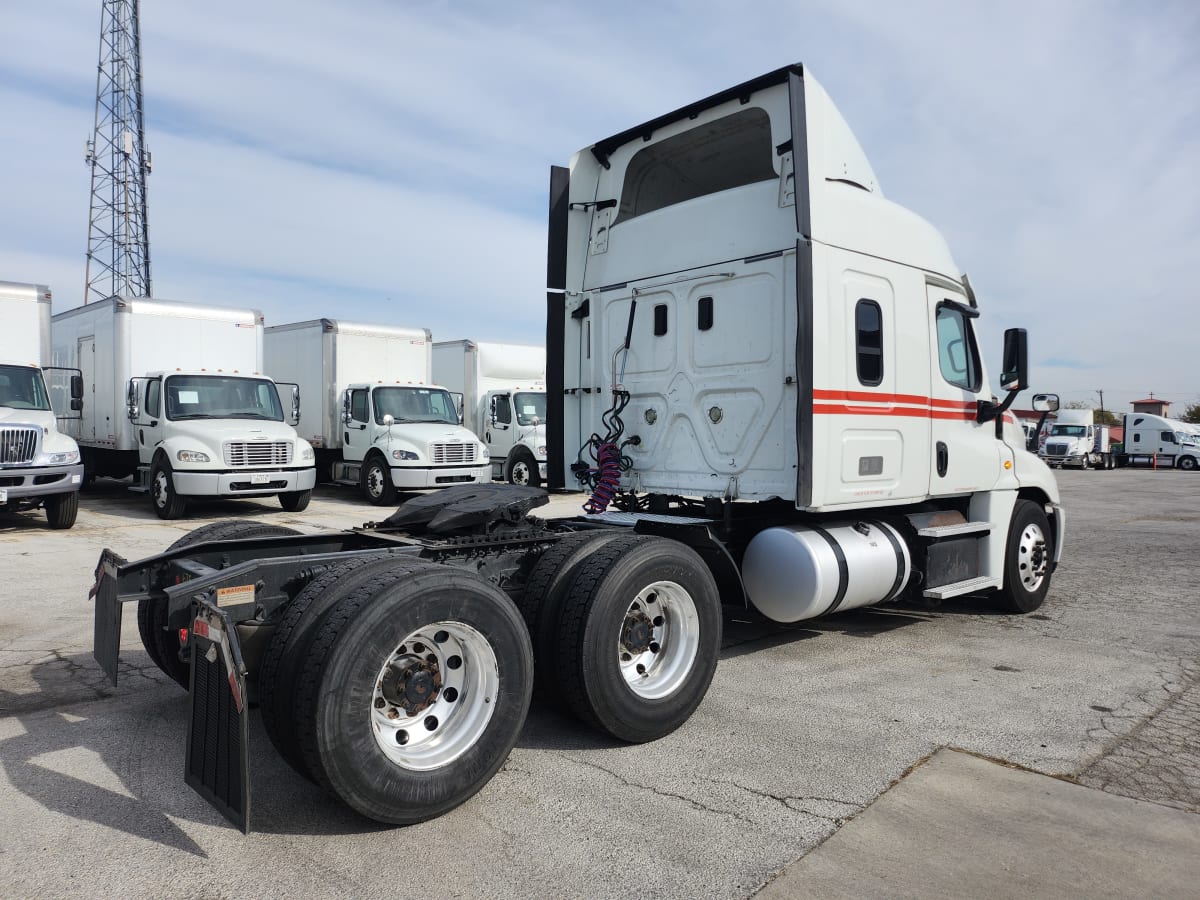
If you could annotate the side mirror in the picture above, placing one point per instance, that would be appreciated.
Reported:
(77, 390)
(131, 400)
(76, 404)
(1014, 371)
(295, 404)
(1045, 402)
(346, 418)
(492, 410)
(388, 420)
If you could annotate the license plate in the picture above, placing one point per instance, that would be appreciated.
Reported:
(3, 495)
(261, 478)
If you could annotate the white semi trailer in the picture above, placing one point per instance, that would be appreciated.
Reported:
(176, 396)
(371, 409)
(503, 388)
(774, 375)
(39, 465)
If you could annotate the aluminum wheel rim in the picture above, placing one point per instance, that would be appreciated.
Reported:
(1032, 557)
(375, 481)
(520, 473)
(659, 640)
(161, 487)
(456, 713)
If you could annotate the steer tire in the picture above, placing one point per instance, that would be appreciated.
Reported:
(421, 762)
(375, 480)
(521, 468)
(541, 602)
(163, 643)
(1187, 463)
(167, 502)
(294, 634)
(295, 501)
(62, 510)
(1027, 559)
(618, 592)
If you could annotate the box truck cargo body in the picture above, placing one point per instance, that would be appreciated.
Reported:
(503, 387)
(176, 395)
(370, 408)
(39, 465)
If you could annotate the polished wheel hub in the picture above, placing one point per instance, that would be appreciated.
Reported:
(659, 640)
(1032, 557)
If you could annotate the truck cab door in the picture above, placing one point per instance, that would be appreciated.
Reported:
(356, 417)
(965, 455)
(498, 423)
(145, 395)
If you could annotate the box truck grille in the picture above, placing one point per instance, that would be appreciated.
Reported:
(449, 454)
(258, 453)
(17, 444)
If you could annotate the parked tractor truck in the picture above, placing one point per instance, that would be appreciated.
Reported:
(503, 390)
(39, 465)
(1076, 440)
(766, 378)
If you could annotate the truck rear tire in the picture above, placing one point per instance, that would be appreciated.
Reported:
(522, 468)
(294, 634)
(167, 503)
(412, 695)
(62, 509)
(295, 501)
(639, 637)
(376, 481)
(541, 603)
(1027, 559)
(162, 643)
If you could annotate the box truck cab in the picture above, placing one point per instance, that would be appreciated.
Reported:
(39, 465)
(1148, 436)
(371, 410)
(1076, 440)
(503, 389)
(180, 402)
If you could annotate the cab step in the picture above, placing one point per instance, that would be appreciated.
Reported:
(958, 588)
(944, 531)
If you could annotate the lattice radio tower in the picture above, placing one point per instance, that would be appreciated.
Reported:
(118, 249)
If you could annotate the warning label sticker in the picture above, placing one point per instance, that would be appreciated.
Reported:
(235, 596)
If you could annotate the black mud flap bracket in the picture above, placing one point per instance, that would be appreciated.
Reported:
(217, 762)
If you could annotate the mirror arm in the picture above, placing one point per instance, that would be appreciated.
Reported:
(986, 410)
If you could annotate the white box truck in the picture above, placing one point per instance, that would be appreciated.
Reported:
(370, 408)
(1076, 440)
(1157, 440)
(176, 397)
(777, 372)
(503, 388)
(39, 465)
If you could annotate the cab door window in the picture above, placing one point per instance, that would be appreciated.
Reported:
(503, 409)
(153, 397)
(358, 405)
(958, 356)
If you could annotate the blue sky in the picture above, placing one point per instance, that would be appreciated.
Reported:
(388, 161)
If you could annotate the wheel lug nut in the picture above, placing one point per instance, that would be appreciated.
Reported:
(431, 659)
(441, 637)
(449, 695)
(418, 648)
(380, 703)
(625, 657)
(402, 737)
(641, 670)
(658, 621)
(655, 647)
(431, 723)
(454, 662)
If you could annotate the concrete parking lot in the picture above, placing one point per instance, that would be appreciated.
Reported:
(802, 730)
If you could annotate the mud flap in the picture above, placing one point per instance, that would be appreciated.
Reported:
(106, 638)
(217, 763)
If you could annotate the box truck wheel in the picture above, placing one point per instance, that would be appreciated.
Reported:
(376, 481)
(167, 503)
(1027, 559)
(541, 603)
(295, 501)
(413, 694)
(639, 635)
(61, 509)
(161, 642)
(294, 634)
(522, 468)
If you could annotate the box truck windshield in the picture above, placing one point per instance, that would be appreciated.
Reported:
(408, 405)
(531, 407)
(219, 397)
(21, 387)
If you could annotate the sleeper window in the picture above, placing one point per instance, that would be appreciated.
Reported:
(868, 342)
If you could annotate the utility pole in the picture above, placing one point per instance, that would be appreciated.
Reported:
(1101, 393)
(118, 247)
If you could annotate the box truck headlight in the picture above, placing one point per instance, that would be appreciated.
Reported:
(484, 456)
(541, 451)
(306, 455)
(404, 454)
(60, 459)
(192, 456)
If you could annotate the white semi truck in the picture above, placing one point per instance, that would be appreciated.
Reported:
(1149, 439)
(176, 397)
(503, 388)
(1076, 440)
(39, 465)
(767, 376)
(371, 409)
